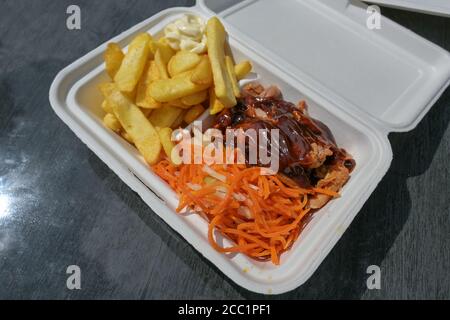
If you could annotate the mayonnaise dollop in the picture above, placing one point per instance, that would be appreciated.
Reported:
(188, 34)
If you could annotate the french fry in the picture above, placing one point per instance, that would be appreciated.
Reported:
(143, 97)
(163, 41)
(195, 98)
(165, 116)
(153, 72)
(216, 36)
(113, 59)
(172, 89)
(146, 112)
(178, 103)
(194, 113)
(202, 73)
(165, 135)
(107, 88)
(215, 105)
(153, 48)
(107, 107)
(134, 63)
(230, 70)
(112, 123)
(127, 137)
(183, 61)
(242, 69)
(137, 126)
(183, 74)
(179, 120)
(162, 57)
(131, 95)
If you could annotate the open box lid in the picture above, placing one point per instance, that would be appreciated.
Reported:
(438, 7)
(389, 75)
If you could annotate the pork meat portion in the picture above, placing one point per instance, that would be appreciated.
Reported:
(308, 152)
(336, 177)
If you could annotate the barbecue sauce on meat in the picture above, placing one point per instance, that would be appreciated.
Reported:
(298, 132)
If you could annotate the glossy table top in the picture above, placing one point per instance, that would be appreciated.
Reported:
(60, 205)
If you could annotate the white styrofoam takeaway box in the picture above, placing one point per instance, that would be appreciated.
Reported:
(437, 7)
(362, 83)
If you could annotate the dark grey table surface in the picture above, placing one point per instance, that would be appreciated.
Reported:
(60, 205)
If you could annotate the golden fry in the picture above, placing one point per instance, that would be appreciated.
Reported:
(153, 72)
(202, 73)
(179, 120)
(215, 105)
(183, 61)
(165, 135)
(112, 123)
(178, 103)
(146, 112)
(131, 95)
(194, 113)
(137, 126)
(195, 98)
(162, 57)
(152, 48)
(172, 89)
(107, 107)
(113, 59)
(165, 116)
(134, 63)
(107, 88)
(230, 70)
(143, 97)
(163, 41)
(242, 69)
(216, 36)
(127, 137)
(183, 74)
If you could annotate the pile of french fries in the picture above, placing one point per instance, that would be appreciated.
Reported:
(155, 89)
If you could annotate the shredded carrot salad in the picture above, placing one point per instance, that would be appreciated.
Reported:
(261, 214)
